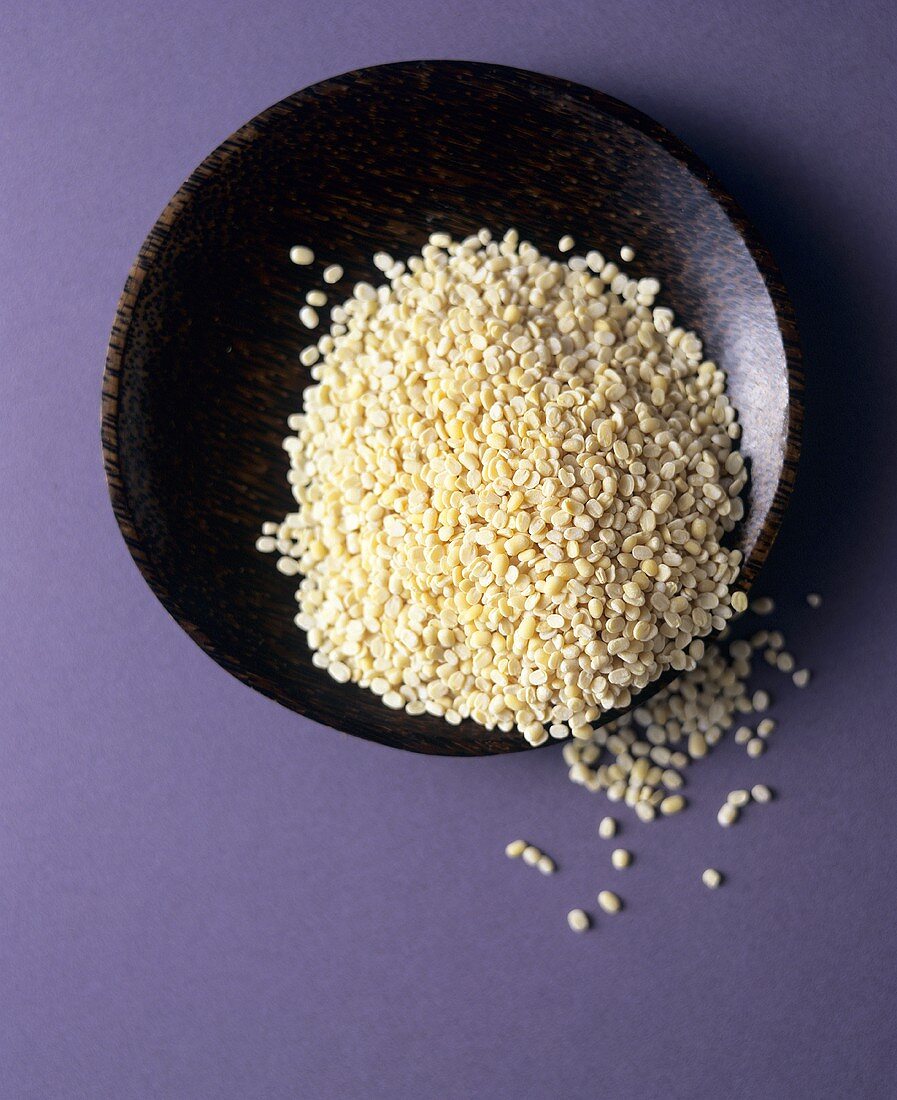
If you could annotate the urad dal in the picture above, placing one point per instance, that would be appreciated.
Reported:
(513, 480)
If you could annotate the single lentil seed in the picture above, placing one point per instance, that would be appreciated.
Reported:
(761, 793)
(578, 920)
(756, 747)
(727, 814)
(738, 798)
(711, 878)
(609, 901)
(515, 849)
(785, 662)
(302, 255)
(607, 828)
(620, 858)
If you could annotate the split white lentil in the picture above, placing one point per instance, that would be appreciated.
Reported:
(761, 793)
(801, 678)
(531, 855)
(515, 849)
(814, 599)
(609, 901)
(309, 317)
(727, 815)
(546, 865)
(620, 858)
(302, 255)
(738, 798)
(578, 920)
(512, 489)
(627, 254)
(756, 747)
(607, 828)
(333, 273)
(711, 878)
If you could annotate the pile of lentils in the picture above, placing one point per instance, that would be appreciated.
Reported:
(513, 478)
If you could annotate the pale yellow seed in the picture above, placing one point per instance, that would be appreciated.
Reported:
(711, 878)
(515, 849)
(578, 920)
(609, 901)
(620, 858)
(302, 255)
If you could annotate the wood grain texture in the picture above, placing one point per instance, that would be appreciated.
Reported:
(202, 367)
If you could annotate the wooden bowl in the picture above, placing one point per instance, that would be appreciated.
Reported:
(203, 367)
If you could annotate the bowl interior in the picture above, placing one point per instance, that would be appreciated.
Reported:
(203, 367)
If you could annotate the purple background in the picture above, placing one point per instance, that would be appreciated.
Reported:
(205, 896)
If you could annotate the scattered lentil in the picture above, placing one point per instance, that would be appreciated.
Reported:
(609, 901)
(672, 804)
(711, 878)
(302, 255)
(607, 828)
(309, 317)
(515, 849)
(578, 920)
(727, 814)
(761, 793)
